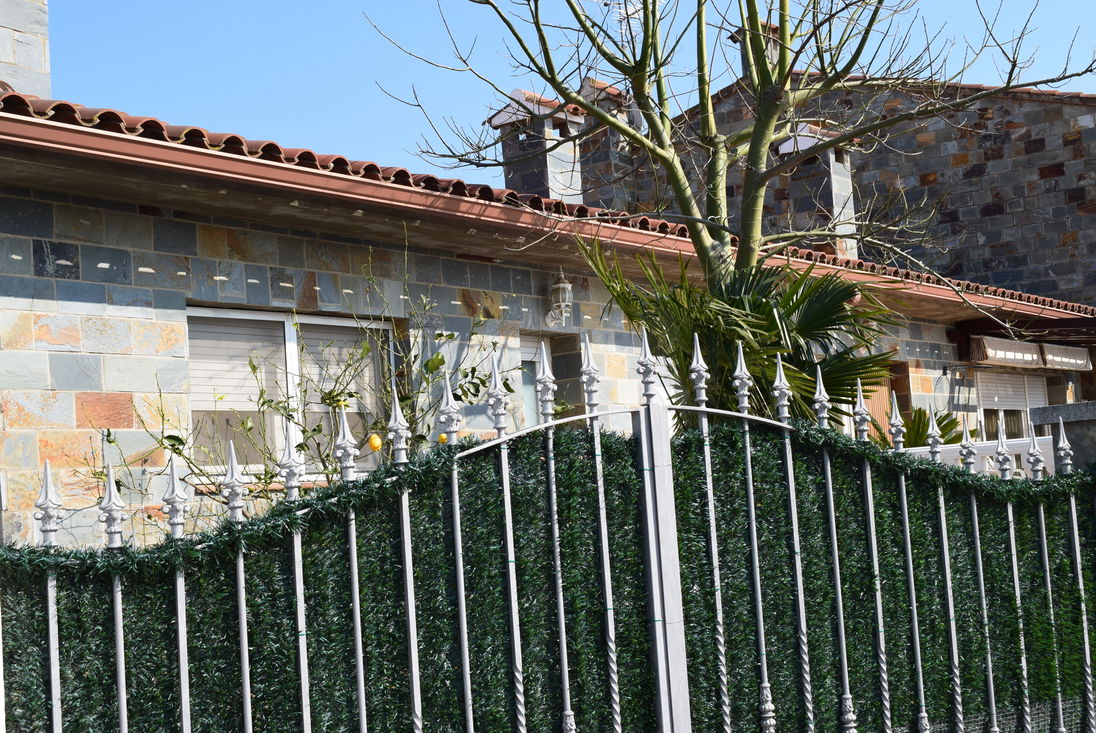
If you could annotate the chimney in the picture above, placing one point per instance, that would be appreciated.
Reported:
(24, 46)
(538, 157)
(608, 163)
(772, 45)
(819, 193)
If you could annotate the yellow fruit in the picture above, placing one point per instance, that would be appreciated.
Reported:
(375, 442)
(443, 438)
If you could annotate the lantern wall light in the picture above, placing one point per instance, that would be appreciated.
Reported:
(562, 297)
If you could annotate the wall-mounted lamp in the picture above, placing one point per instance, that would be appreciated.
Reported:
(562, 297)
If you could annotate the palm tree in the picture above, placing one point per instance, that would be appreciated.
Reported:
(808, 319)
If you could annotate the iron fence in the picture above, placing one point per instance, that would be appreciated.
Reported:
(747, 529)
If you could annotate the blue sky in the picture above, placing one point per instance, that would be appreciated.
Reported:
(309, 74)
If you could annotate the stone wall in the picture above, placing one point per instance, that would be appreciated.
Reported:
(24, 46)
(93, 299)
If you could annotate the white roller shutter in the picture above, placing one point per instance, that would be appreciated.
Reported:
(1004, 391)
(328, 352)
(1036, 391)
(220, 374)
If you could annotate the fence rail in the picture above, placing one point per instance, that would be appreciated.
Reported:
(753, 573)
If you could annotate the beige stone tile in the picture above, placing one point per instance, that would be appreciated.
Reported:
(16, 330)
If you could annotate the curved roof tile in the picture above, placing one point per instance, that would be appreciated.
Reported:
(113, 121)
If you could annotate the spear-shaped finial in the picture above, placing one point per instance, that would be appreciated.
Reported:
(398, 431)
(112, 510)
(175, 499)
(966, 448)
(699, 374)
(741, 381)
(897, 427)
(496, 397)
(345, 447)
(933, 437)
(861, 418)
(1004, 458)
(782, 392)
(1064, 450)
(646, 367)
(821, 402)
(449, 415)
(49, 508)
(588, 374)
(290, 465)
(234, 486)
(545, 383)
(1036, 464)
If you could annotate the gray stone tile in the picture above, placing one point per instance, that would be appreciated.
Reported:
(15, 256)
(106, 265)
(285, 284)
(24, 369)
(78, 223)
(25, 218)
(130, 297)
(168, 300)
(156, 270)
(521, 281)
(56, 259)
(76, 372)
(127, 230)
(231, 280)
(500, 279)
(257, 284)
(81, 297)
(427, 268)
(479, 275)
(203, 274)
(290, 252)
(172, 374)
(176, 237)
(328, 284)
(455, 273)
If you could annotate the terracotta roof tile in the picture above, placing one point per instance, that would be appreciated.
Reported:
(113, 121)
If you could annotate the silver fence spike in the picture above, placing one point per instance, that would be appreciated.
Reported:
(112, 510)
(1064, 450)
(821, 402)
(646, 367)
(496, 398)
(290, 465)
(234, 486)
(49, 508)
(545, 383)
(398, 431)
(345, 447)
(933, 437)
(175, 499)
(782, 392)
(449, 415)
(1036, 464)
(741, 381)
(897, 427)
(588, 374)
(699, 374)
(966, 448)
(860, 416)
(1004, 458)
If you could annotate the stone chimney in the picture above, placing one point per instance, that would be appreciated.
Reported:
(818, 194)
(24, 46)
(772, 45)
(608, 165)
(538, 156)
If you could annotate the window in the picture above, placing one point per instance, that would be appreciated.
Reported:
(240, 357)
(530, 358)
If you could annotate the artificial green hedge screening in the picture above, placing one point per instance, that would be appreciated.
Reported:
(87, 643)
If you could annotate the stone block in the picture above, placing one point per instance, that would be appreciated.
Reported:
(257, 284)
(70, 449)
(24, 370)
(56, 259)
(26, 218)
(161, 411)
(319, 255)
(27, 293)
(244, 245)
(105, 265)
(55, 332)
(144, 374)
(290, 252)
(105, 335)
(78, 223)
(159, 338)
(174, 237)
(203, 279)
(16, 330)
(212, 242)
(154, 270)
(100, 410)
(77, 372)
(19, 449)
(127, 230)
(30, 408)
(15, 256)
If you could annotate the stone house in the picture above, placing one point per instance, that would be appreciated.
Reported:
(154, 274)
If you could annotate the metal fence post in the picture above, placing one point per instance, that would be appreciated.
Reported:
(664, 573)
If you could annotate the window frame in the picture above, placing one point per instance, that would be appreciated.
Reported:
(291, 345)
